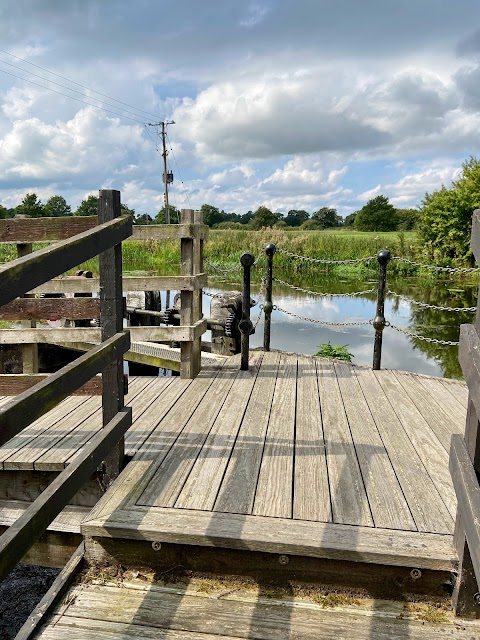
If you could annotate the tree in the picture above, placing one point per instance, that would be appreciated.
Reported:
(296, 217)
(350, 219)
(6, 213)
(407, 219)
(263, 217)
(377, 215)
(211, 215)
(143, 219)
(31, 206)
(174, 215)
(57, 206)
(327, 218)
(446, 216)
(88, 207)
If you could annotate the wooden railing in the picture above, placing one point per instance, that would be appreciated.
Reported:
(191, 232)
(465, 466)
(17, 278)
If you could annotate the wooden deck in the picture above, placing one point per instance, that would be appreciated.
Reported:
(298, 455)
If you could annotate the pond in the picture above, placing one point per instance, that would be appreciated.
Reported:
(400, 351)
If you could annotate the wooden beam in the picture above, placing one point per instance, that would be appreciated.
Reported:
(50, 335)
(168, 333)
(53, 595)
(26, 230)
(469, 359)
(30, 405)
(170, 231)
(30, 526)
(467, 489)
(12, 384)
(51, 309)
(475, 238)
(147, 283)
(21, 275)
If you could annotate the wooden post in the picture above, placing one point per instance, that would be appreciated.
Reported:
(466, 594)
(111, 319)
(191, 301)
(29, 351)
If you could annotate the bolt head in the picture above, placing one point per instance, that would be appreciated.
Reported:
(283, 560)
(476, 598)
(156, 546)
(415, 574)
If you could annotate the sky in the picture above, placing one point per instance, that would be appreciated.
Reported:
(292, 104)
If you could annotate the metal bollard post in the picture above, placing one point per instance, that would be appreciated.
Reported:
(268, 306)
(383, 258)
(245, 325)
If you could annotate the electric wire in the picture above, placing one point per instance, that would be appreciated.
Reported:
(119, 115)
(73, 82)
(178, 169)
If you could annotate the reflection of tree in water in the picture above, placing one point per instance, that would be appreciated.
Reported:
(442, 325)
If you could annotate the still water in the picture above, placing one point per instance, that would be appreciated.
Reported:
(400, 351)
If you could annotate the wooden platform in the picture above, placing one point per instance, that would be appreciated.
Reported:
(298, 456)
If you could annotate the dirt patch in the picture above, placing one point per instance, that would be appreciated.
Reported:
(19, 594)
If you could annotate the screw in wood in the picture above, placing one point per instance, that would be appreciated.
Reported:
(156, 546)
(283, 560)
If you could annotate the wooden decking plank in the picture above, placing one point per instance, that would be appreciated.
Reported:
(171, 418)
(458, 389)
(434, 456)
(275, 481)
(427, 507)
(201, 488)
(78, 434)
(170, 476)
(68, 520)
(311, 494)
(237, 491)
(347, 491)
(152, 393)
(277, 535)
(442, 422)
(444, 396)
(38, 427)
(104, 612)
(454, 394)
(385, 496)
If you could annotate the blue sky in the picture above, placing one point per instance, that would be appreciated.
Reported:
(287, 103)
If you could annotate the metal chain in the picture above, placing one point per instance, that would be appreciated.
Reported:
(430, 306)
(237, 267)
(260, 306)
(209, 294)
(449, 343)
(290, 254)
(323, 295)
(325, 322)
(436, 268)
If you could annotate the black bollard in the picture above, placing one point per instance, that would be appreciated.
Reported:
(245, 324)
(268, 306)
(383, 258)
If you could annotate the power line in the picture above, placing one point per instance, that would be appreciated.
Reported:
(65, 95)
(77, 83)
(68, 88)
(180, 175)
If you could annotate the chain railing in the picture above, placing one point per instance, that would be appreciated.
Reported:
(379, 322)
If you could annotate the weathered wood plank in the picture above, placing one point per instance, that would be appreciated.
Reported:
(434, 456)
(445, 396)
(170, 476)
(311, 491)
(167, 333)
(35, 402)
(53, 595)
(475, 237)
(47, 335)
(467, 490)
(347, 490)
(387, 502)
(50, 309)
(30, 526)
(441, 421)
(423, 498)
(126, 612)
(189, 313)
(23, 274)
(67, 521)
(170, 231)
(132, 283)
(275, 480)
(12, 384)
(201, 488)
(277, 535)
(469, 358)
(237, 491)
(44, 229)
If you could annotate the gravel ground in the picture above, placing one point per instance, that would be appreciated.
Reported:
(19, 594)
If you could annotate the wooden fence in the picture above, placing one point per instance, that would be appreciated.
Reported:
(191, 233)
(465, 466)
(20, 276)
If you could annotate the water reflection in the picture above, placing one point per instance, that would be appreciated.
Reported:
(399, 351)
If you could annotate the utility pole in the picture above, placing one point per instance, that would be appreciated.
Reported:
(167, 177)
